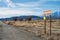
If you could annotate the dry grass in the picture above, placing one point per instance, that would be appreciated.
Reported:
(37, 27)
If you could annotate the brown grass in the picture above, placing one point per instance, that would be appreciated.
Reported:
(37, 27)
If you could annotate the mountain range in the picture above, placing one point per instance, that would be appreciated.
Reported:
(55, 15)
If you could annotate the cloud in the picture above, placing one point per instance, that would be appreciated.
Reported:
(34, 4)
(17, 12)
(27, 8)
(28, 5)
(18, 9)
(9, 3)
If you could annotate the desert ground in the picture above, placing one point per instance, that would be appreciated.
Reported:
(37, 27)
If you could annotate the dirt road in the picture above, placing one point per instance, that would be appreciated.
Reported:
(8, 32)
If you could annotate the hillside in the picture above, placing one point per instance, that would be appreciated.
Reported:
(22, 17)
(54, 15)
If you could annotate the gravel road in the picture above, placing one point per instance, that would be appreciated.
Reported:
(8, 32)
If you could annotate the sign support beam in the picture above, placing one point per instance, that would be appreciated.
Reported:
(47, 13)
(50, 25)
(45, 24)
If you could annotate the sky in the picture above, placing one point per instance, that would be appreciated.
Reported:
(9, 8)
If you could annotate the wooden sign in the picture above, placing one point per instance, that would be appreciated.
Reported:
(47, 12)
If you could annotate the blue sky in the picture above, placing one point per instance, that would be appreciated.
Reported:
(9, 8)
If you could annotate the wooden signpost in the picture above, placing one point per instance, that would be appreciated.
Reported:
(45, 24)
(47, 13)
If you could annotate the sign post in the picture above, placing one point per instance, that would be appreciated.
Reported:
(45, 24)
(47, 13)
(50, 24)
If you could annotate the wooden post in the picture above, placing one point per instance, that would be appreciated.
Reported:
(45, 24)
(46, 13)
(58, 36)
(50, 25)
